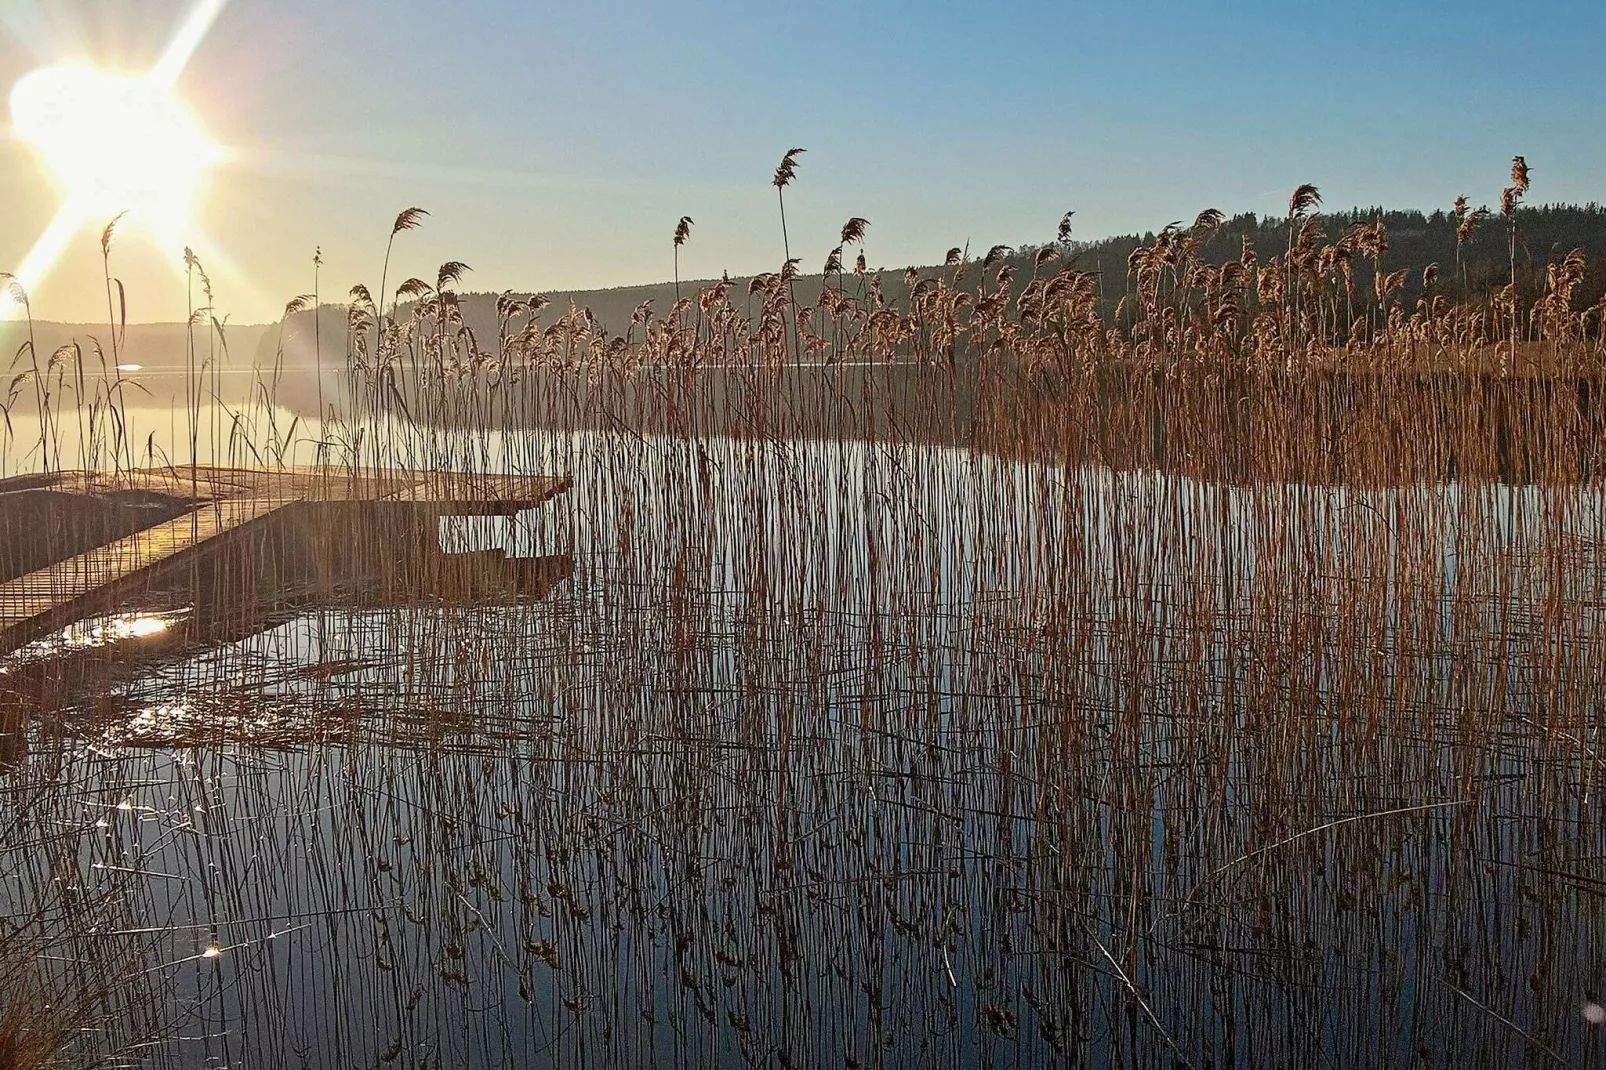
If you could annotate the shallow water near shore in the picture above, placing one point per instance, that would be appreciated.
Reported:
(846, 753)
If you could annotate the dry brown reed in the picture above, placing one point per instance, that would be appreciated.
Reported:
(944, 675)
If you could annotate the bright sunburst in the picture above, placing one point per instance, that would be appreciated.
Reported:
(116, 143)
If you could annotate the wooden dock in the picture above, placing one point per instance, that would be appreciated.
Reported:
(222, 508)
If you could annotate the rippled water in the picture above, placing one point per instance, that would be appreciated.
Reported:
(827, 753)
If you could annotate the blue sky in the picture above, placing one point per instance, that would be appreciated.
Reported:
(556, 145)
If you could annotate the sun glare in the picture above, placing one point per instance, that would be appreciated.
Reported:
(116, 143)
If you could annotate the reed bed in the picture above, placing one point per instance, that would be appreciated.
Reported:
(961, 681)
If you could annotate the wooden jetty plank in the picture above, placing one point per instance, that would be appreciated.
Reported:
(223, 502)
(465, 493)
(33, 606)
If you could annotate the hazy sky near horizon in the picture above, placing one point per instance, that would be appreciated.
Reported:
(556, 145)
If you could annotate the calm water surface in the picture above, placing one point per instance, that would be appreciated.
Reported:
(835, 754)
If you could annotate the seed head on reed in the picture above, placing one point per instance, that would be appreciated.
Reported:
(1519, 174)
(1064, 232)
(1207, 222)
(833, 262)
(110, 232)
(450, 274)
(298, 304)
(1469, 226)
(408, 219)
(1304, 198)
(1310, 235)
(1373, 239)
(682, 232)
(853, 230)
(1573, 267)
(994, 255)
(1459, 211)
(1386, 285)
(787, 170)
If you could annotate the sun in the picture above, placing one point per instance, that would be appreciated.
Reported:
(116, 143)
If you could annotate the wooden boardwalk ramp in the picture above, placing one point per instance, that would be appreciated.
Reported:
(223, 505)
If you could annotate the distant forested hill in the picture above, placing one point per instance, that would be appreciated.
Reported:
(1415, 240)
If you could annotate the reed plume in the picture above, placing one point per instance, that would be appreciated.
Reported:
(785, 172)
(1063, 233)
(682, 232)
(1304, 198)
(450, 274)
(1519, 174)
(407, 219)
(1460, 216)
(1510, 201)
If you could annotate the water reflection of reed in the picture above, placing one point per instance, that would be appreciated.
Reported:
(831, 752)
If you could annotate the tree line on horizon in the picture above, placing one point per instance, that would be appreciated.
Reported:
(1421, 243)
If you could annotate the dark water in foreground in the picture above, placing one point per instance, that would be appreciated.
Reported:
(842, 755)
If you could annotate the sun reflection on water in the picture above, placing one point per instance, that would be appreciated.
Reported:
(97, 632)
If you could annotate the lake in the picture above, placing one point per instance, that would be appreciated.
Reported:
(831, 752)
